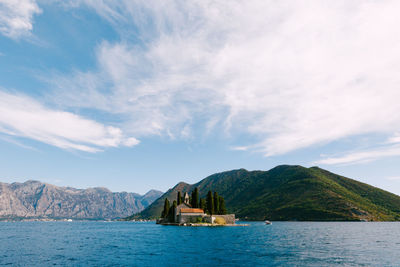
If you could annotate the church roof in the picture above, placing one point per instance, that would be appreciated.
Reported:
(192, 211)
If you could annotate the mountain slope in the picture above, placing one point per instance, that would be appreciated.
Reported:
(292, 193)
(34, 199)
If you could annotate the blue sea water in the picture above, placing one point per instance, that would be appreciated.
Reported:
(148, 244)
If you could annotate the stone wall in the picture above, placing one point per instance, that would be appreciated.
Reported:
(207, 219)
(191, 218)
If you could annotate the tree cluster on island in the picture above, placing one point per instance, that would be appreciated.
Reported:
(213, 204)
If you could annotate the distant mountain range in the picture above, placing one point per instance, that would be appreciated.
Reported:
(33, 199)
(291, 193)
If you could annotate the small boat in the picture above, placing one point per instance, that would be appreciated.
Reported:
(268, 222)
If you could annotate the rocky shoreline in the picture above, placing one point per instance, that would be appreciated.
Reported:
(202, 224)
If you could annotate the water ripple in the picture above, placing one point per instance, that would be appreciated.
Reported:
(147, 244)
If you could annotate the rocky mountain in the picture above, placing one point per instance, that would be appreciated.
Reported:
(291, 193)
(34, 199)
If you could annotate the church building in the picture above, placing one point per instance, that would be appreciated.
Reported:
(184, 212)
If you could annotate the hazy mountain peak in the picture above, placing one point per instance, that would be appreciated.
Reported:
(153, 192)
(34, 199)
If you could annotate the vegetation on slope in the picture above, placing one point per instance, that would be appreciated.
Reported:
(291, 193)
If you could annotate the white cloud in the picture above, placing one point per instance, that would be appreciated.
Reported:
(394, 139)
(289, 74)
(22, 116)
(362, 156)
(239, 148)
(393, 178)
(16, 17)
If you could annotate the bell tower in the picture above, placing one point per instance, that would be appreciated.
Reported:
(186, 198)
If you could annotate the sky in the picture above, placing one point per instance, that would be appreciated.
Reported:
(135, 95)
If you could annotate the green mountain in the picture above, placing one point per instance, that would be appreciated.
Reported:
(291, 193)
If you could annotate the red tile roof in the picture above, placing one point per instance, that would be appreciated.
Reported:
(192, 211)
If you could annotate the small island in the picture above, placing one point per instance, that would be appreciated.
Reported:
(191, 211)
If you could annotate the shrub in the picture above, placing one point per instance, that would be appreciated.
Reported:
(219, 220)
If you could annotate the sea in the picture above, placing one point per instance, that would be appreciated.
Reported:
(98, 243)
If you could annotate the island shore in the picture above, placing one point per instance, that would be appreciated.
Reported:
(202, 224)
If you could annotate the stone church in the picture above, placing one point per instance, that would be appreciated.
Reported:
(184, 212)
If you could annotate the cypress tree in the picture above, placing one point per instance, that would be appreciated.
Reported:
(203, 205)
(222, 208)
(210, 203)
(183, 197)
(165, 212)
(179, 198)
(195, 198)
(172, 210)
(216, 203)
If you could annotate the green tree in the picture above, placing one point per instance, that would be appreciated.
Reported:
(210, 203)
(203, 204)
(183, 197)
(179, 198)
(195, 198)
(216, 203)
(171, 215)
(165, 211)
(222, 208)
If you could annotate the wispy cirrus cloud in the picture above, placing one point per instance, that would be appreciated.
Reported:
(393, 178)
(388, 148)
(289, 74)
(394, 139)
(16, 17)
(363, 156)
(22, 116)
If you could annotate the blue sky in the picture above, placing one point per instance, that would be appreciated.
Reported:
(135, 95)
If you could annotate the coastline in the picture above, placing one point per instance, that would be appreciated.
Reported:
(203, 224)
